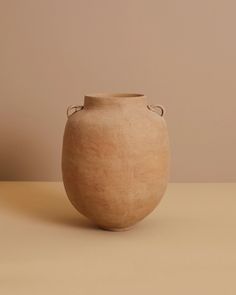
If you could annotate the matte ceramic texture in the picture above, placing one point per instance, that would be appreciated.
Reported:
(115, 159)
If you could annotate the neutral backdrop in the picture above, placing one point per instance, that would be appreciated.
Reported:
(181, 54)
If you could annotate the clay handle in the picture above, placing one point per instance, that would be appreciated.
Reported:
(73, 109)
(157, 109)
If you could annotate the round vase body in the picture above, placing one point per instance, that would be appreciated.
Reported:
(115, 159)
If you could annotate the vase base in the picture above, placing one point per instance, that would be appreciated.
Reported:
(116, 229)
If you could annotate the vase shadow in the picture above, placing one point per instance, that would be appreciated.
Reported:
(44, 201)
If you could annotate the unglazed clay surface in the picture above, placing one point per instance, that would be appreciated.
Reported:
(115, 159)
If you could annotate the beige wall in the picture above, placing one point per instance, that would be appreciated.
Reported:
(182, 54)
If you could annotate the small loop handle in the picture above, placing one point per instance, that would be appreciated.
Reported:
(73, 109)
(157, 109)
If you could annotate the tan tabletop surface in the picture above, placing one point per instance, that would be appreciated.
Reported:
(187, 246)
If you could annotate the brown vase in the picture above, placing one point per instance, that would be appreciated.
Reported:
(115, 159)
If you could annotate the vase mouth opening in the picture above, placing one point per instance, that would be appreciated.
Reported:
(121, 95)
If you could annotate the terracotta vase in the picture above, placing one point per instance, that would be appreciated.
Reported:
(115, 159)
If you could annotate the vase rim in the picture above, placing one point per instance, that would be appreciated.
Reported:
(118, 95)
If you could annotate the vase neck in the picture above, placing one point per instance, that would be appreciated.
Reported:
(116, 99)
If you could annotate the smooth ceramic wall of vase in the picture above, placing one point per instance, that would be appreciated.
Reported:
(115, 159)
